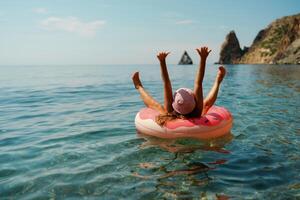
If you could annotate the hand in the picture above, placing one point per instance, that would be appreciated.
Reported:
(203, 52)
(162, 56)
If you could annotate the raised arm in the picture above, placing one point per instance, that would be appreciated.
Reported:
(168, 94)
(203, 53)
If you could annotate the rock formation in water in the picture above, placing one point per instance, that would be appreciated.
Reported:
(279, 43)
(185, 59)
(231, 51)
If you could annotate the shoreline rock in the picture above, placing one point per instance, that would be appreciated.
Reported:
(231, 51)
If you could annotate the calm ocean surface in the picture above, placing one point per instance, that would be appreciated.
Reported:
(67, 132)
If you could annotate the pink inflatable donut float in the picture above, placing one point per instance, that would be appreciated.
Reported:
(216, 123)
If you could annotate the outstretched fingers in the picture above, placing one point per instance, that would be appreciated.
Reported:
(203, 51)
(162, 55)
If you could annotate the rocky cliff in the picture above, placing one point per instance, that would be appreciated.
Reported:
(231, 51)
(185, 59)
(279, 43)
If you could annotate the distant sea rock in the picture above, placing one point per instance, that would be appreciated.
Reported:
(279, 43)
(185, 59)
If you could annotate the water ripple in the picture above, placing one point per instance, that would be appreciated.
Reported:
(70, 134)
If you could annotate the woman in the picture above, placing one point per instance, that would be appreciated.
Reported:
(186, 103)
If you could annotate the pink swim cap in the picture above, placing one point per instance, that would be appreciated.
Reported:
(184, 101)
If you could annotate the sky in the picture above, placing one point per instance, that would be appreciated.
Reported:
(68, 32)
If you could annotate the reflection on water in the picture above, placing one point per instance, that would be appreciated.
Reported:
(180, 167)
(280, 77)
(187, 145)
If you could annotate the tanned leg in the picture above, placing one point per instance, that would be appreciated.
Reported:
(198, 91)
(213, 94)
(147, 98)
(168, 94)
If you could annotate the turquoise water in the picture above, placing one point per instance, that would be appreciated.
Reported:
(67, 132)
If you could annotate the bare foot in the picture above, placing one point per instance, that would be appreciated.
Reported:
(221, 74)
(136, 80)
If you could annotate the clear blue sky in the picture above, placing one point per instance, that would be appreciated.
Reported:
(127, 32)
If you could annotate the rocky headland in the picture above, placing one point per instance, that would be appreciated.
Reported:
(279, 43)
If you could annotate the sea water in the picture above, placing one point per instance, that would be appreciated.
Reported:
(67, 132)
